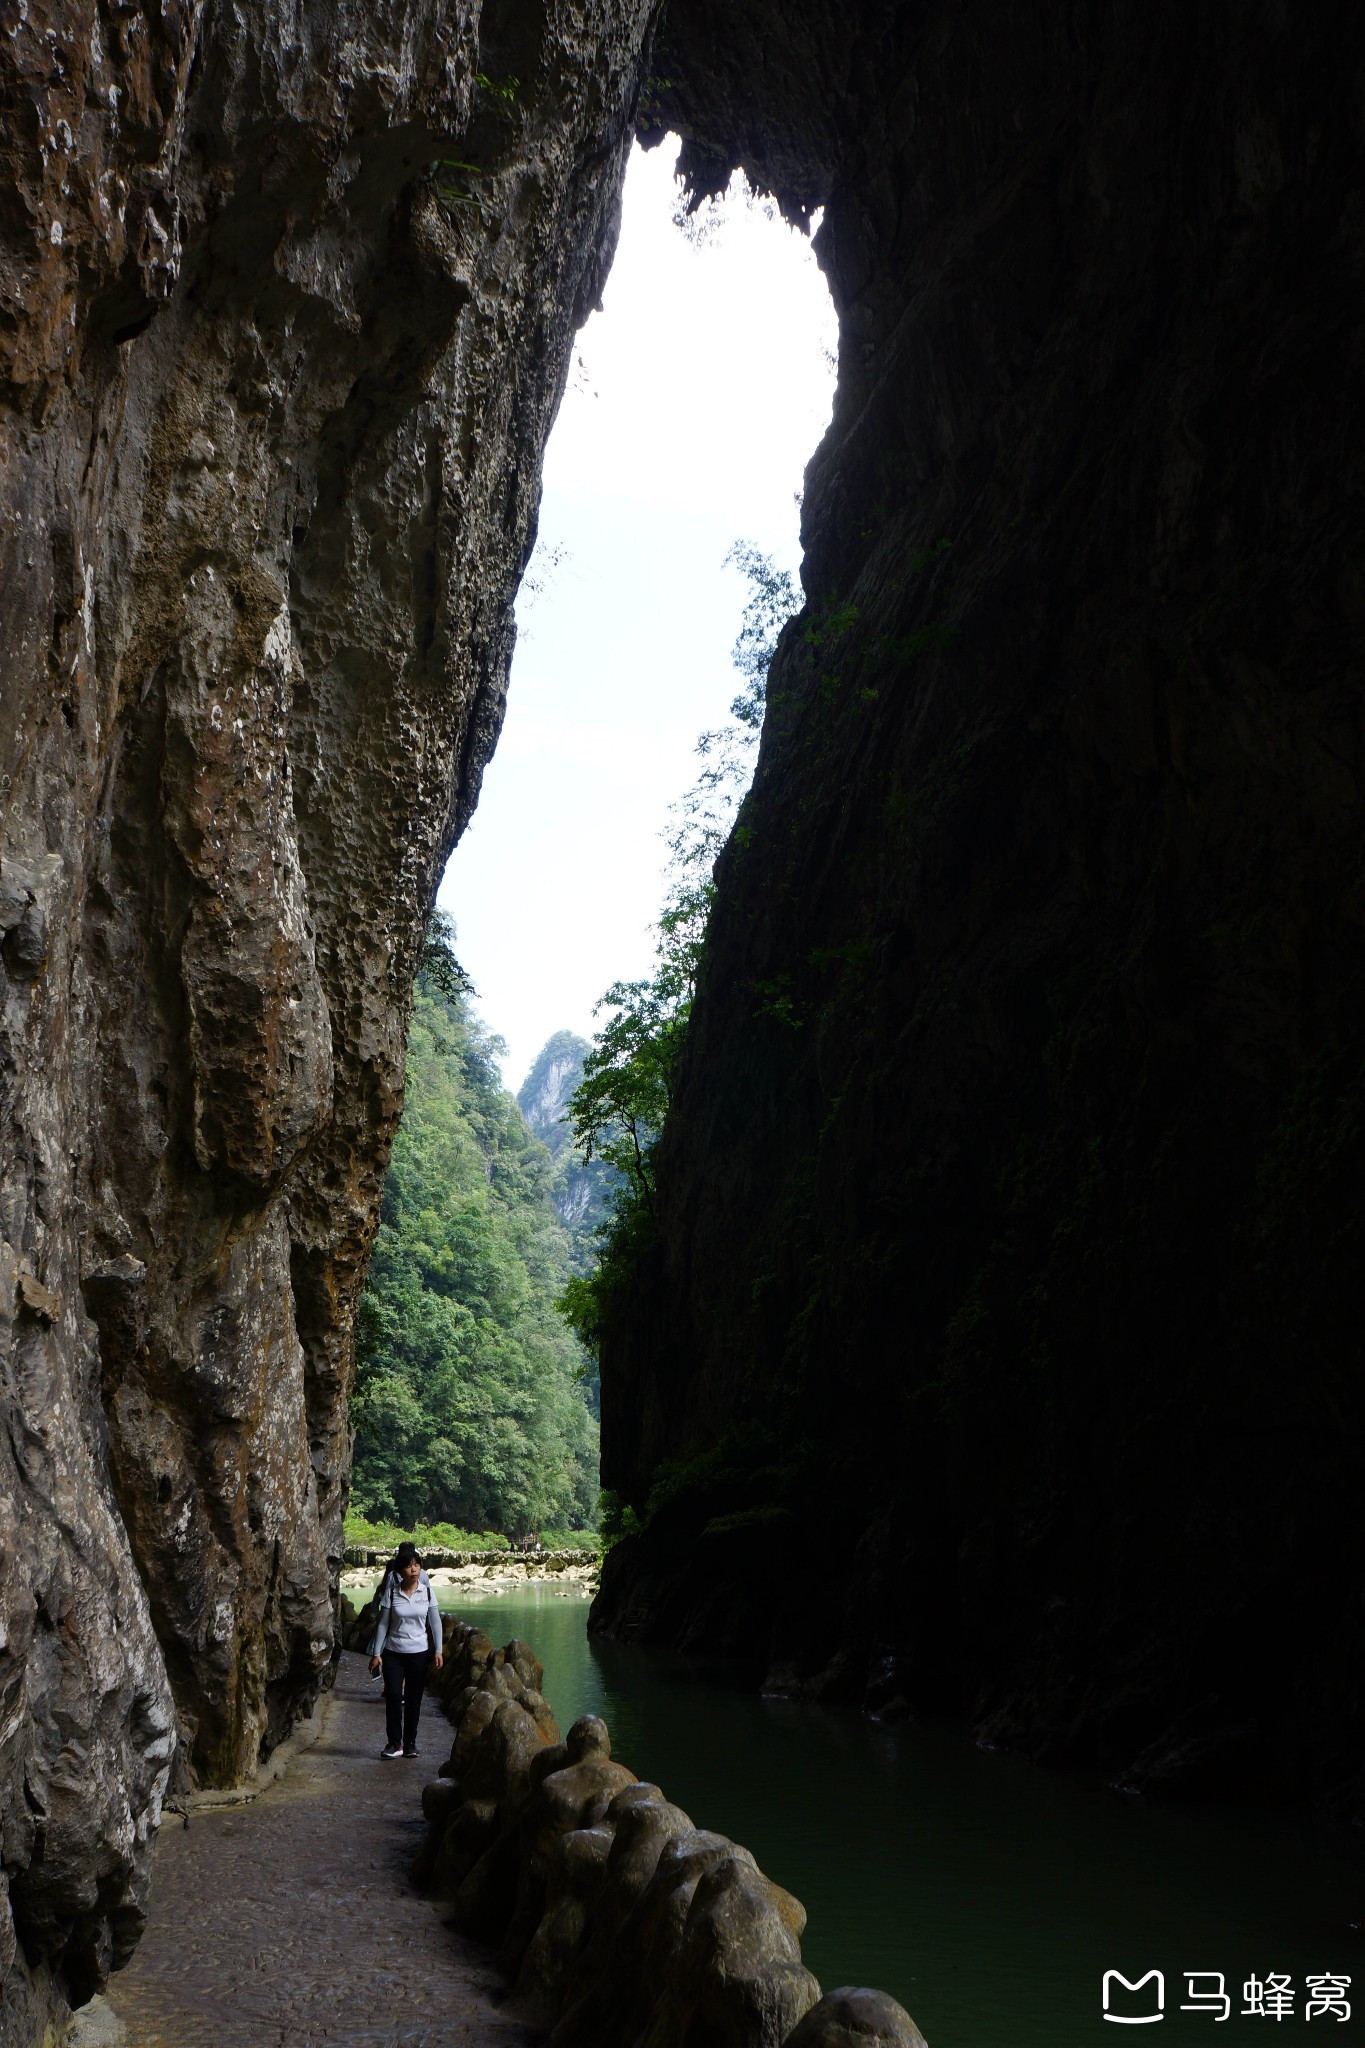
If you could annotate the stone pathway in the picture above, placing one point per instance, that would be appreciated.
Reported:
(292, 1922)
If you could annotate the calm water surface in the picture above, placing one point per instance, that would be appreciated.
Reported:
(988, 1897)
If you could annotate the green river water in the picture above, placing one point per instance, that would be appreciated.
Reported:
(989, 1897)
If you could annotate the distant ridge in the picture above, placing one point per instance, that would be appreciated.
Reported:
(579, 1188)
(543, 1097)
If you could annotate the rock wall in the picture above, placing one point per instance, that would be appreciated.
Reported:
(286, 296)
(1011, 1216)
(617, 1921)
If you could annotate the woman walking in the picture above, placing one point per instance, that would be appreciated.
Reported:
(409, 1626)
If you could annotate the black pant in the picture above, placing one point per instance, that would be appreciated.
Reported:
(405, 1680)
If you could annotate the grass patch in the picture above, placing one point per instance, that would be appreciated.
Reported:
(445, 1536)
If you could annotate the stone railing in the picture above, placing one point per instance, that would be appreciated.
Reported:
(615, 1919)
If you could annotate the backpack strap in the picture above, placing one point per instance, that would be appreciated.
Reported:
(385, 1597)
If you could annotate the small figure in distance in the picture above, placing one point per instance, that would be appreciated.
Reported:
(409, 1627)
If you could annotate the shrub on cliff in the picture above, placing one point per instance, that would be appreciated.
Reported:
(617, 1112)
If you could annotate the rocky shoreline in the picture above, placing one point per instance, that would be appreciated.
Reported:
(483, 1570)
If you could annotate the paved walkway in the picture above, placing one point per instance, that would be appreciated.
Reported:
(292, 1922)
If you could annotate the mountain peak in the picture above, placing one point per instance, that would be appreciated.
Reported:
(543, 1097)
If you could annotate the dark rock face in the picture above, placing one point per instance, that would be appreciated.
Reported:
(1011, 1203)
(285, 305)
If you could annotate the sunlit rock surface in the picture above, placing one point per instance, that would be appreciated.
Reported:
(285, 303)
(1000, 1349)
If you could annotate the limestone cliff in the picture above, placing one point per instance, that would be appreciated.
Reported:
(581, 1187)
(285, 302)
(1011, 1216)
(543, 1097)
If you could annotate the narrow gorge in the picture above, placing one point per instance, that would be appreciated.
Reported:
(1010, 1221)
(1010, 1215)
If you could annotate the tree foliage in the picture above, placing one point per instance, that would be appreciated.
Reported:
(618, 1110)
(467, 1405)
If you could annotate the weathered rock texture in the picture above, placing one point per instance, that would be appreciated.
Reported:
(1011, 1202)
(618, 1921)
(285, 302)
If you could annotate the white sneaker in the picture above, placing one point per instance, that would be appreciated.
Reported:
(387, 1753)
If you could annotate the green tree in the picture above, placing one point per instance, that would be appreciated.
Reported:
(703, 820)
(618, 1110)
(468, 1405)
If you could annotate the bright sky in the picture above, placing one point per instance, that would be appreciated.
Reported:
(698, 396)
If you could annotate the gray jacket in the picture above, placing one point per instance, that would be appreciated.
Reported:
(387, 1591)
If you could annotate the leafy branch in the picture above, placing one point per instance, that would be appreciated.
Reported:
(503, 89)
(619, 1109)
(451, 193)
(436, 963)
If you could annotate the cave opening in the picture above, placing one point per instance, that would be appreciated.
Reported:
(1015, 1186)
(667, 561)
(697, 393)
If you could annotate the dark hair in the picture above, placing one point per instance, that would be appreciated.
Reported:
(404, 1555)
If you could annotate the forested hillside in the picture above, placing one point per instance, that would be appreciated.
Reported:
(469, 1406)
